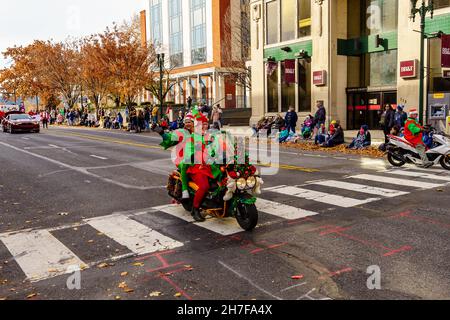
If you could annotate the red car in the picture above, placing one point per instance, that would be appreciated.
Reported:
(19, 122)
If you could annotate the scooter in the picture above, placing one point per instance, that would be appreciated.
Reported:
(401, 152)
(226, 198)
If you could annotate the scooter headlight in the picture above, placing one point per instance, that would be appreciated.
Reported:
(241, 184)
(251, 182)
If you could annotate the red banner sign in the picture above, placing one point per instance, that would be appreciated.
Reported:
(320, 78)
(445, 56)
(289, 71)
(408, 69)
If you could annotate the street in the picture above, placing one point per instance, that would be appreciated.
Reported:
(97, 199)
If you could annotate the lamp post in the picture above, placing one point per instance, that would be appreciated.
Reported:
(422, 10)
(160, 57)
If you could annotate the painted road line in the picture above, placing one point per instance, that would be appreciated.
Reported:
(421, 175)
(389, 193)
(40, 255)
(396, 181)
(225, 227)
(137, 237)
(414, 168)
(282, 210)
(322, 197)
(98, 157)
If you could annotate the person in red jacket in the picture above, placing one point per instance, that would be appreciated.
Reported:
(413, 134)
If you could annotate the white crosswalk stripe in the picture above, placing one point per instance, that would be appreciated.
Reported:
(388, 193)
(137, 237)
(421, 175)
(322, 197)
(282, 210)
(396, 181)
(40, 255)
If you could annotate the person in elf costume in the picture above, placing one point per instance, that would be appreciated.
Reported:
(193, 157)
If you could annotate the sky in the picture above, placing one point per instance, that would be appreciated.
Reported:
(23, 21)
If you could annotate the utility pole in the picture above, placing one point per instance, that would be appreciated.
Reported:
(422, 10)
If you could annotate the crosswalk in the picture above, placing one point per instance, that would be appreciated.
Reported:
(41, 254)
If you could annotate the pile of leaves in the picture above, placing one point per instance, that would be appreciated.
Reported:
(372, 152)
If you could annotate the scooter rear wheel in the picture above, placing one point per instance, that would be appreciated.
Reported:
(394, 161)
(445, 162)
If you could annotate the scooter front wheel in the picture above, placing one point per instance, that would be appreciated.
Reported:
(247, 216)
(445, 162)
(395, 161)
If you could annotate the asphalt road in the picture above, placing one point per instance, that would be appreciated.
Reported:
(97, 199)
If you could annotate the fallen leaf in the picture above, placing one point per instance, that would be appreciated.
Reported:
(187, 266)
(128, 290)
(75, 229)
(297, 277)
(91, 241)
(155, 294)
(124, 274)
(103, 265)
(100, 234)
(53, 271)
(138, 264)
(31, 295)
(177, 295)
(83, 267)
(117, 298)
(440, 190)
(122, 285)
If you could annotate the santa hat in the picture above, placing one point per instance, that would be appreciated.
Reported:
(413, 111)
(189, 117)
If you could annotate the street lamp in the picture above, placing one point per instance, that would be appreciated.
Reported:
(160, 57)
(422, 10)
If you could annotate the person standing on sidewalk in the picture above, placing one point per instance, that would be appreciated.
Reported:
(215, 117)
(320, 116)
(147, 118)
(155, 115)
(291, 120)
(389, 121)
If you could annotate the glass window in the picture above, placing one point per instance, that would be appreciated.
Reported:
(304, 86)
(383, 68)
(304, 18)
(272, 22)
(287, 91)
(176, 33)
(198, 31)
(381, 16)
(272, 86)
(288, 18)
(155, 21)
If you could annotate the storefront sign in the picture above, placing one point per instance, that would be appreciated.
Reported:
(445, 57)
(408, 69)
(289, 71)
(320, 78)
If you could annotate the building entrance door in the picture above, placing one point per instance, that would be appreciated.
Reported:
(366, 108)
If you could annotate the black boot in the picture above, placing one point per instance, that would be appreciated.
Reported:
(197, 215)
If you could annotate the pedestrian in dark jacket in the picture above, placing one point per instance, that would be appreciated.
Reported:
(389, 121)
(291, 120)
(320, 116)
(400, 117)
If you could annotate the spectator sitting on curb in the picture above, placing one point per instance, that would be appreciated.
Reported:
(322, 136)
(337, 138)
(362, 140)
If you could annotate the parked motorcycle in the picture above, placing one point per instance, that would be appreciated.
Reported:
(241, 205)
(401, 152)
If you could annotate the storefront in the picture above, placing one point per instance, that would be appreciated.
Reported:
(365, 107)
